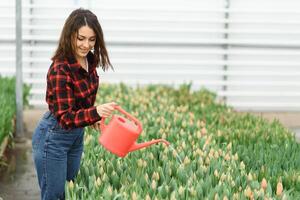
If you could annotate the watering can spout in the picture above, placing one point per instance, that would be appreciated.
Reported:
(137, 146)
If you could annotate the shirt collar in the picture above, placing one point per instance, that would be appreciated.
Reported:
(74, 65)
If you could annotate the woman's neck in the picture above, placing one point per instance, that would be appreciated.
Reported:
(83, 62)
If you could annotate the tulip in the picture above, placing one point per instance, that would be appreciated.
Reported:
(242, 165)
(216, 173)
(249, 177)
(71, 185)
(153, 184)
(227, 157)
(264, 184)
(181, 190)
(248, 193)
(203, 131)
(110, 190)
(279, 189)
(134, 196)
(147, 197)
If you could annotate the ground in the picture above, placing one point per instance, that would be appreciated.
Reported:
(22, 184)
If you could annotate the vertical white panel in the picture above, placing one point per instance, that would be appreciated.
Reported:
(174, 42)
(273, 27)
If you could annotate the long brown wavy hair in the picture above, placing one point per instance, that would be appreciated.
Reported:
(66, 47)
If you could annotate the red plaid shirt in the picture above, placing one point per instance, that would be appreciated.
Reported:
(71, 93)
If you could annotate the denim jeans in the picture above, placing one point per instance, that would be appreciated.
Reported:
(56, 154)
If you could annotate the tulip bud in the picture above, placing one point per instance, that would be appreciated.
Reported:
(216, 197)
(229, 146)
(71, 185)
(184, 124)
(248, 193)
(151, 156)
(193, 192)
(140, 163)
(186, 160)
(279, 189)
(235, 196)
(153, 185)
(181, 190)
(202, 123)
(264, 184)
(236, 157)
(203, 131)
(216, 173)
(134, 196)
(249, 177)
(98, 182)
(227, 157)
(242, 165)
(110, 190)
(148, 197)
(198, 124)
(223, 177)
(198, 133)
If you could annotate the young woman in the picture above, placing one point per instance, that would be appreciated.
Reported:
(72, 84)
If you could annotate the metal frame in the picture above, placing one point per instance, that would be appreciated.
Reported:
(19, 71)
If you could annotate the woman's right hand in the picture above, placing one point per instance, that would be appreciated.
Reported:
(105, 110)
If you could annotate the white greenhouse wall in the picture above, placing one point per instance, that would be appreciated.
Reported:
(248, 52)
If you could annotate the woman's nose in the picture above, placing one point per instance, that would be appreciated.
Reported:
(86, 43)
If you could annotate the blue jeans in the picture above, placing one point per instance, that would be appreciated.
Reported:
(56, 154)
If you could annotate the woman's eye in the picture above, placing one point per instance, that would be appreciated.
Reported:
(92, 40)
(80, 39)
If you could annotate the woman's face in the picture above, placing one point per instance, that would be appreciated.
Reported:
(85, 41)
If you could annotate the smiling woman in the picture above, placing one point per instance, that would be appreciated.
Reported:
(81, 33)
(85, 42)
(72, 85)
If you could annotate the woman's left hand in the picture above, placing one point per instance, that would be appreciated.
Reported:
(96, 125)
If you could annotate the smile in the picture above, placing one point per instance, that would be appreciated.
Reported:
(84, 51)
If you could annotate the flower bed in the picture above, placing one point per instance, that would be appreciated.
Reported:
(8, 107)
(222, 154)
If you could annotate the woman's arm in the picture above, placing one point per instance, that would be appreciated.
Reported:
(64, 101)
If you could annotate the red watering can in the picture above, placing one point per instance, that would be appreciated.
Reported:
(120, 135)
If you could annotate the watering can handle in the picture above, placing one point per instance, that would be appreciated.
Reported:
(121, 110)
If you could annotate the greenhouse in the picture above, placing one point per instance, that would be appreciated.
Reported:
(149, 99)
